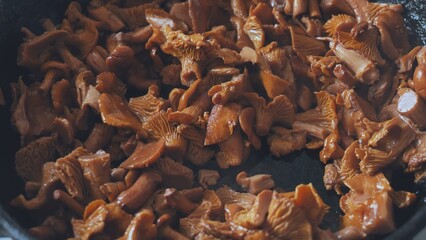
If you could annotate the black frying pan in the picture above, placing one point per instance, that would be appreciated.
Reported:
(288, 172)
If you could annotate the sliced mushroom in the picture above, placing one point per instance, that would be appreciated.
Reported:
(144, 155)
(175, 175)
(278, 111)
(137, 195)
(221, 124)
(207, 177)
(255, 184)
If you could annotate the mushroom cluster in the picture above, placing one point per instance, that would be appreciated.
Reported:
(129, 101)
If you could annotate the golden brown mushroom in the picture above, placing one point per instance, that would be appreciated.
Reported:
(255, 184)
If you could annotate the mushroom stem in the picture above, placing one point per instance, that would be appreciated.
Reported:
(49, 78)
(165, 231)
(413, 107)
(68, 201)
(179, 201)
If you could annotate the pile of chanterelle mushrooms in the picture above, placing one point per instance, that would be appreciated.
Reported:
(124, 94)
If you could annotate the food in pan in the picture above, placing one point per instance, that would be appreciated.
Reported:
(127, 102)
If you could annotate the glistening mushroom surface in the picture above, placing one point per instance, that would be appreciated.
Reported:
(124, 108)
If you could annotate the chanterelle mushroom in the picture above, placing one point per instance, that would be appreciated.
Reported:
(278, 111)
(256, 183)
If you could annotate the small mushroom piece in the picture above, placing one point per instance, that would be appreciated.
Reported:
(165, 231)
(229, 196)
(133, 17)
(170, 74)
(283, 141)
(419, 80)
(138, 194)
(93, 222)
(278, 111)
(405, 63)
(144, 155)
(229, 91)
(105, 16)
(231, 151)
(191, 113)
(286, 220)
(207, 177)
(141, 227)
(33, 52)
(116, 112)
(255, 216)
(61, 96)
(120, 59)
(96, 171)
(68, 201)
(175, 175)
(85, 38)
(222, 121)
(71, 174)
(159, 127)
(147, 105)
(96, 59)
(247, 120)
(339, 23)
(179, 201)
(29, 160)
(75, 64)
(99, 137)
(107, 82)
(253, 29)
(411, 106)
(175, 96)
(111, 190)
(65, 129)
(307, 198)
(255, 184)
(158, 18)
(196, 152)
(49, 182)
(300, 41)
(365, 69)
(385, 145)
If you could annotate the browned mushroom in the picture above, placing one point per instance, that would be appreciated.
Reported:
(111, 190)
(70, 172)
(144, 155)
(141, 227)
(278, 111)
(179, 201)
(339, 23)
(286, 220)
(255, 216)
(231, 150)
(175, 175)
(386, 145)
(99, 137)
(49, 182)
(105, 16)
(69, 202)
(221, 124)
(283, 141)
(107, 82)
(133, 17)
(29, 160)
(96, 59)
(34, 52)
(411, 106)
(147, 105)
(136, 196)
(230, 91)
(165, 231)
(96, 171)
(247, 120)
(196, 152)
(207, 177)
(255, 184)
(300, 41)
(116, 112)
(120, 59)
(170, 74)
(419, 77)
(159, 127)
(253, 29)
